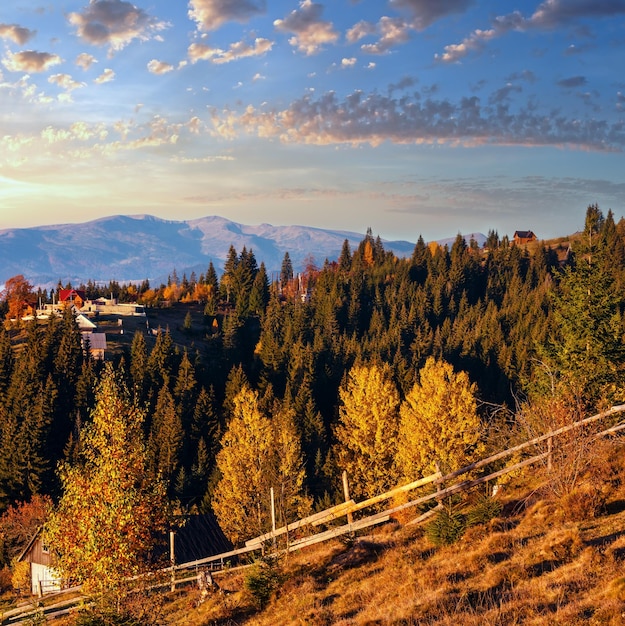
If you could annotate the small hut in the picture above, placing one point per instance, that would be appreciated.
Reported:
(44, 578)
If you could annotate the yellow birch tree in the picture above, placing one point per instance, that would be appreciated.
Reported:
(289, 474)
(367, 431)
(258, 453)
(439, 423)
(241, 497)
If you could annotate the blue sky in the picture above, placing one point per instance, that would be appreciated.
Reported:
(407, 116)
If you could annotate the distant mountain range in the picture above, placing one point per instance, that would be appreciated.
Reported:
(133, 248)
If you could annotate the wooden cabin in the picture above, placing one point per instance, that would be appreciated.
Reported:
(43, 577)
(523, 236)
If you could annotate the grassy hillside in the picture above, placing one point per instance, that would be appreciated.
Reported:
(546, 559)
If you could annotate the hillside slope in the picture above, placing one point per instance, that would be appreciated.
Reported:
(543, 560)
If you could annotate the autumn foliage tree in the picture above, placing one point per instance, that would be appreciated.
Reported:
(256, 455)
(244, 461)
(367, 431)
(17, 292)
(439, 423)
(104, 525)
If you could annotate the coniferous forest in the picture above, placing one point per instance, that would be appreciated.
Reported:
(349, 365)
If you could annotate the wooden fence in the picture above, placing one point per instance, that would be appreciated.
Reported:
(303, 529)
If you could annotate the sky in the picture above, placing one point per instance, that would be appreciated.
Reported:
(411, 117)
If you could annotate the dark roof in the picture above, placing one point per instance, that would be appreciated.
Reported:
(198, 538)
(524, 234)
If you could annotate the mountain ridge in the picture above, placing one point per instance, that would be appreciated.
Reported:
(131, 248)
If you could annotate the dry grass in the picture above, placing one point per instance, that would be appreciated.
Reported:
(535, 564)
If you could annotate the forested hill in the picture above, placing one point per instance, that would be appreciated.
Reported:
(326, 367)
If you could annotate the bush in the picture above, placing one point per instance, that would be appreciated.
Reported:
(21, 576)
(262, 580)
(446, 528)
(485, 509)
(6, 579)
(101, 618)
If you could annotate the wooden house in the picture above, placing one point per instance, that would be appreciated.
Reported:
(97, 344)
(75, 297)
(523, 236)
(44, 578)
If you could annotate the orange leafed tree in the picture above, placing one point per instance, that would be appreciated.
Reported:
(17, 293)
(105, 523)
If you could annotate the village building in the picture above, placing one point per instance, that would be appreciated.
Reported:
(43, 577)
(72, 297)
(96, 343)
(522, 237)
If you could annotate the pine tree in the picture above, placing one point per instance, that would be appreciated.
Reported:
(166, 435)
(236, 382)
(6, 363)
(161, 360)
(286, 270)
(345, 259)
(139, 367)
(259, 295)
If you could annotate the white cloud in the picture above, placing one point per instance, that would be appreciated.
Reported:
(392, 31)
(549, 15)
(85, 61)
(159, 67)
(30, 61)
(106, 77)
(310, 32)
(65, 81)
(211, 14)
(426, 12)
(360, 30)
(17, 34)
(114, 23)
(374, 118)
(236, 51)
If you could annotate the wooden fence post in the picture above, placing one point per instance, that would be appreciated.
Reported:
(273, 519)
(172, 560)
(350, 517)
(549, 453)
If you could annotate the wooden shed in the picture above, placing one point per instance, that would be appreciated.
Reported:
(44, 578)
(97, 345)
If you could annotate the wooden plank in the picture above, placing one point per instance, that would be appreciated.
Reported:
(337, 532)
(216, 557)
(315, 519)
(463, 486)
(396, 491)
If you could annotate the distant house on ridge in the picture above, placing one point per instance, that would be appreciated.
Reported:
(523, 236)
